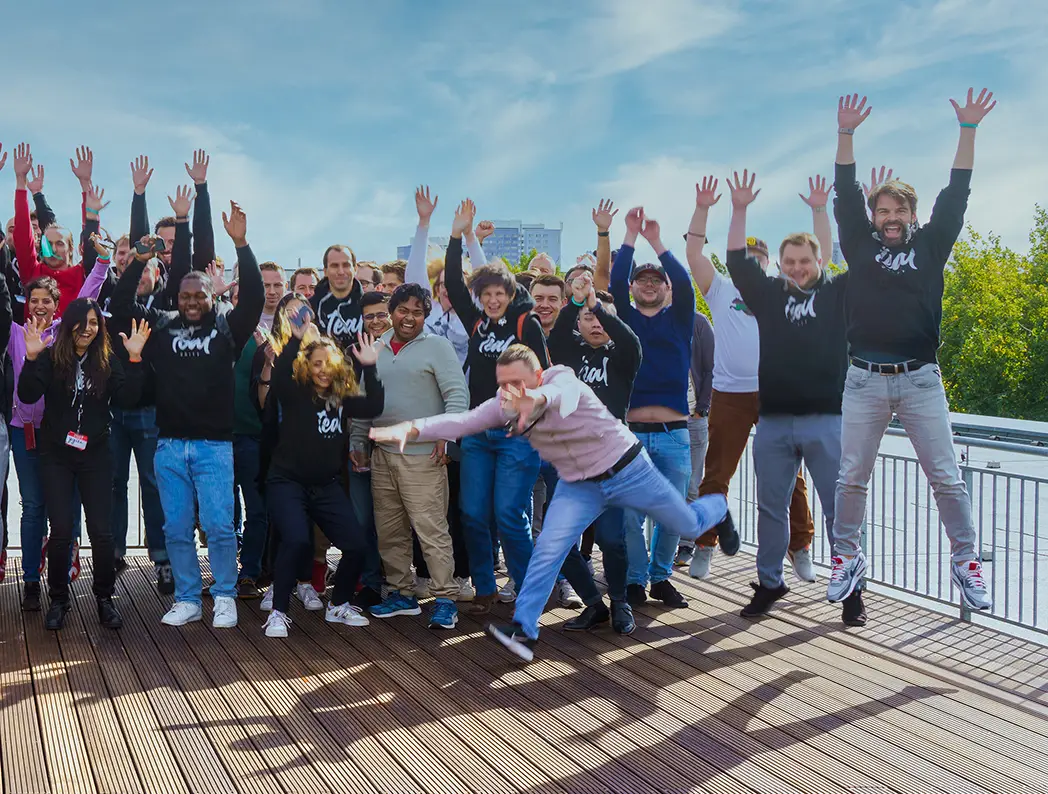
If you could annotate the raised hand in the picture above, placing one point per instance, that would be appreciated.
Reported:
(236, 224)
(851, 112)
(3, 160)
(134, 344)
(582, 290)
(198, 171)
(366, 349)
(742, 193)
(34, 337)
(218, 279)
(182, 201)
(398, 434)
(706, 194)
(975, 110)
(523, 402)
(84, 165)
(141, 173)
(650, 231)
(424, 204)
(101, 248)
(463, 219)
(94, 200)
(484, 230)
(23, 161)
(634, 220)
(604, 214)
(35, 183)
(818, 192)
(147, 242)
(876, 179)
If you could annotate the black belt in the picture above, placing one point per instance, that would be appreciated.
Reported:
(658, 427)
(622, 463)
(889, 369)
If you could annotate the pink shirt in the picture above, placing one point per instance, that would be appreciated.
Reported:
(575, 432)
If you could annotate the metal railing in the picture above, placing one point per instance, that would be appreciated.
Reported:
(907, 549)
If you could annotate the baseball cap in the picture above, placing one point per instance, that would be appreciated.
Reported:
(757, 244)
(648, 267)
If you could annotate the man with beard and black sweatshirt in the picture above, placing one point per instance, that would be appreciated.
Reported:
(605, 354)
(498, 472)
(192, 352)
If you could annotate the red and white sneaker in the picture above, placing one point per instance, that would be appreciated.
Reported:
(74, 566)
(968, 577)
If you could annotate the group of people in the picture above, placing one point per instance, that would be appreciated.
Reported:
(434, 421)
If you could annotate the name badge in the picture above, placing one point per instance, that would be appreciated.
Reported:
(76, 441)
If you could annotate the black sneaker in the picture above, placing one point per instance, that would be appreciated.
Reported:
(591, 617)
(107, 614)
(513, 639)
(367, 597)
(165, 580)
(622, 618)
(854, 611)
(56, 615)
(635, 595)
(120, 565)
(247, 590)
(763, 598)
(665, 592)
(728, 535)
(31, 597)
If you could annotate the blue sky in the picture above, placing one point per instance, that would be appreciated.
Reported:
(322, 115)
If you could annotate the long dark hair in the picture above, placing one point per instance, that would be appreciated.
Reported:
(63, 352)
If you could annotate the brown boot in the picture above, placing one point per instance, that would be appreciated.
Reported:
(480, 605)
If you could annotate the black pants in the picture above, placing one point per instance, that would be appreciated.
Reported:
(458, 543)
(294, 508)
(91, 470)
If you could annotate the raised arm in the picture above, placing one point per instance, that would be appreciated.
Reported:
(619, 283)
(37, 370)
(83, 168)
(140, 175)
(603, 214)
(123, 303)
(683, 305)
(969, 116)
(203, 243)
(6, 315)
(849, 206)
(281, 380)
(745, 271)
(851, 112)
(415, 272)
(475, 243)
(25, 244)
(128, 380)
(373, 401)
(243, 318)
(561, 337)
(454, 281)
(702, 269)
(817, 198)
(181, 247)
(99, 268)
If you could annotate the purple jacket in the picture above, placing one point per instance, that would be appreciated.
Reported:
(20, 412)
(574, 431)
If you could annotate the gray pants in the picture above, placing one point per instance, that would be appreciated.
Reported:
(780, 445)
(699, 437)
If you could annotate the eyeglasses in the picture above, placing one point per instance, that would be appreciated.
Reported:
(649, 281)
(377, 316)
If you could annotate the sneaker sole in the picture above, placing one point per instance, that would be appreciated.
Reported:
(518, 650)
(314, 608)
(223, 625)
(277, 634)
(444, 626)
(398, 613)
(197, 619)
(856, 577)
(357, 624)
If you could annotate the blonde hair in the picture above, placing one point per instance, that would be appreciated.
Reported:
(800, 238)
(343, 378)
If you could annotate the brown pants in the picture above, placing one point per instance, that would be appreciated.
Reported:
(732, 417)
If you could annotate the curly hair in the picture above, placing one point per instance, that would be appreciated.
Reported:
(343, 378)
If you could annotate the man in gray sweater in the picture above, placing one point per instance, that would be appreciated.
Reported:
(422, 377)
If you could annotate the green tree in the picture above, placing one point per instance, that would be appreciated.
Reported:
(524, 262)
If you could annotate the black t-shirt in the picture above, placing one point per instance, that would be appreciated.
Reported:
(804, 350)
(339, 318)
(609, 370)
(895, 293)
(313, 435)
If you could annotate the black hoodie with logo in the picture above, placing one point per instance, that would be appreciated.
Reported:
(339, 318)
(489, 339)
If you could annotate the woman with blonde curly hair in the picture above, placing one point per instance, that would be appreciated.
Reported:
(316, 390)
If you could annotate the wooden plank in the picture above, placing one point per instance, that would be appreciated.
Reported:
(21, 740)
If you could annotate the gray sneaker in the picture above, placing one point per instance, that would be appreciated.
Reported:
(968, 578)
(684, 556)
(700, 563)
(802, 565)
(847, 574)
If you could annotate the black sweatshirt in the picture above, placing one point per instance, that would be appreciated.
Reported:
(193, 362)
(804, 352)
(895, 294)
(609, 369)
(62, 406)
(339, 318)
(489, 339)
(203, 230)
(6, 319)
(313, 436)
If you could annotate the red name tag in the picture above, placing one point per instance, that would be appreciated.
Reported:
(30, 436)
(76, 441)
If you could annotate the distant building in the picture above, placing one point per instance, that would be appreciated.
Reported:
(512, 239)
(404, 251)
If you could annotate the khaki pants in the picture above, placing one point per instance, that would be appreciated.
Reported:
(412, 491)
(732, 417)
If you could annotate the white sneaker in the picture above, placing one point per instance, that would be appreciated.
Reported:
(465, 589)
(276, 624)
(700, 562)
(421, 587)
(346, 614)
(309, 597)
(181, 613)
(968, 577)
(803, 568)
(225, 616)
(567, 596)
(266, 605)
(508, 593)
(846, 575)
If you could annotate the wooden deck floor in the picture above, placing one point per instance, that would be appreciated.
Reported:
(697, 700)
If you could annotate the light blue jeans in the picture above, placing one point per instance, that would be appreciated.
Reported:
(638, 487)
(671, 454)
(189, 470)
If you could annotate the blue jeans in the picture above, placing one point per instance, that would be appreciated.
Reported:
(135, 431)
(256, 519)
(33, 526)
(195, 470)
(670, 453)
(364, 508)
(493, 463)
(638, 487)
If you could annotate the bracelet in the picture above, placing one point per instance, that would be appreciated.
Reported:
(697, 234)
(845, 131)
(603, 234)
(134, 360)
(104, 259)
(969, 125)
(263, 382)
(819, 208)
(90, 211)
(183, 219)
(576, 303)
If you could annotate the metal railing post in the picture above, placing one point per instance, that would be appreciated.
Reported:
(968, 477)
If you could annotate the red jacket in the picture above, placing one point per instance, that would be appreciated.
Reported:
(70, 279)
